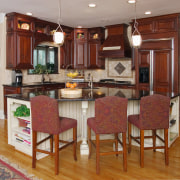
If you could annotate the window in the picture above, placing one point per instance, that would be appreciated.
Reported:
(45, 60)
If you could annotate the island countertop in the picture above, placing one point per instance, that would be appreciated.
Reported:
(92, 94)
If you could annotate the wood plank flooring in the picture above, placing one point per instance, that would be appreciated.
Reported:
(111, 168)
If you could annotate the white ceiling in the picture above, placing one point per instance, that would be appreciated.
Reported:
(76, 12)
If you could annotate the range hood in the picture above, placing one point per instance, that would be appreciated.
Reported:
(116, 45)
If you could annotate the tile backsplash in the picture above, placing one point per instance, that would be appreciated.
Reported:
(110, 72)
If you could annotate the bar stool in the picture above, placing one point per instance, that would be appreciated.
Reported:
(45, 119)
(110, 118)
(154, 114)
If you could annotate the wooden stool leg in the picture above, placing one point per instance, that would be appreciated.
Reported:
(129, 137)
(166, 147)
(34, 149)
(51, 143)
(75, 142)
(56, 141)
(142, 148)
(116, 142)
(97, 154)
(154, 140)
(124, 152)
(89, 141)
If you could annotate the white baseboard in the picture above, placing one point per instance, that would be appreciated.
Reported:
(2, 114)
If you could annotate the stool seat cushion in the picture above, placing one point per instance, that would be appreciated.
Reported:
(91, 122)
(134, 119)
(67, 123)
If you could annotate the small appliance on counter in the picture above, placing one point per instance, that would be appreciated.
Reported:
(17, 77)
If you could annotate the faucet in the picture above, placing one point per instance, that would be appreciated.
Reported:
(90, 77)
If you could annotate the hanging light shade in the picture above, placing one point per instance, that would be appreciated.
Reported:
(58, 37)
(136, 36)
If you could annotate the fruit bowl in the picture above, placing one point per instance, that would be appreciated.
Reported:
(72, 74)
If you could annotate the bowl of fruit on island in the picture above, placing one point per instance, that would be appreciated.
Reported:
(71, 91)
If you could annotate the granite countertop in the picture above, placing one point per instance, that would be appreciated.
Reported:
(33, 84)
(92, 94)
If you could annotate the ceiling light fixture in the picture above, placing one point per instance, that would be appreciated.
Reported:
(79, 26)
(136, 36)
(147, 12)
(92, 5)
(58, 37)
(29, 13)
(131, 1)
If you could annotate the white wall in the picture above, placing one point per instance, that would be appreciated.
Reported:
(5, 75)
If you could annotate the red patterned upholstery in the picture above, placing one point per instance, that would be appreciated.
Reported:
(154, 113)
(45, 116)
(110, 118)
(110, 115)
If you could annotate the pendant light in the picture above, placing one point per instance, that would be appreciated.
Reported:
(136, 36)
(58, 37)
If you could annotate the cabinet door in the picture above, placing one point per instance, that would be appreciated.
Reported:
(24, 51)
(144, 58)
(162, 71)
(94, 62)
(67, 54)
(167, 24)
(80, 60)
(145, 26)
(10, 51)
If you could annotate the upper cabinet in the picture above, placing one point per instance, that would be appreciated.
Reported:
(81, 49)
(158, 24)
(19, 41)
(95, 39)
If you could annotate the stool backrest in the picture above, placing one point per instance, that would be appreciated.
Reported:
(154, 112)
(111, 114)
(45, 114)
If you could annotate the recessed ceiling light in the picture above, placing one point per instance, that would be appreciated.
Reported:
(92, 5)
(79, 26)
(147, 12)
(131, 1)
(29, 13)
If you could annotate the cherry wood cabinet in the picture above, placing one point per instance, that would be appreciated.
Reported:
(158, 24)
(159, 53)
(162, 71)
(95, 39)
(81, 49)
(19, 41)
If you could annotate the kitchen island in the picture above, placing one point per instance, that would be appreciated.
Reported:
(81, 108)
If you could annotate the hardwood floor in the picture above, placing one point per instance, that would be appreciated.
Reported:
(111, 168)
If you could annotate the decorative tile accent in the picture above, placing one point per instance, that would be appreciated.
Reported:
(119, 68)
(120, 94)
